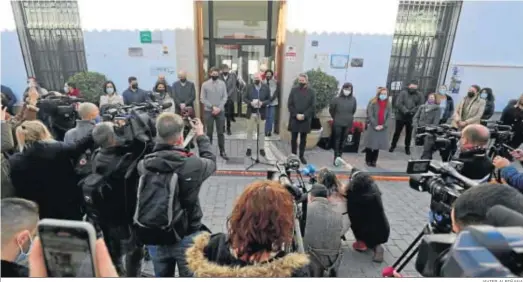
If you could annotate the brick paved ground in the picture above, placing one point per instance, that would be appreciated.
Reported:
(406, 210)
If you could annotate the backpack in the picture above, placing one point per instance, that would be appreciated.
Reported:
(96, 188)
(84, 166)
(159, 218)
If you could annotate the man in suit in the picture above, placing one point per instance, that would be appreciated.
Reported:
(257, 98)
(184, 92)
(230, 80)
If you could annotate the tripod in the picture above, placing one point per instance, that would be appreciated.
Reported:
(256, 160)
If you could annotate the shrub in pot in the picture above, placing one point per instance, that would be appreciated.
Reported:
(90, 85)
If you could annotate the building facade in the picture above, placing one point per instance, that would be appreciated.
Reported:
(435, 42)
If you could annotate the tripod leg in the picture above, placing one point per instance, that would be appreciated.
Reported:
(414, 243)
(414, 252)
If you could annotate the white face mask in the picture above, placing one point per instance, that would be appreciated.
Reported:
(109, 90)
(347, 92)
(66, 89)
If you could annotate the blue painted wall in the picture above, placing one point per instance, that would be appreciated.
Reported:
(488, 48)
(107, 53)
(374, 49)
(13, 73)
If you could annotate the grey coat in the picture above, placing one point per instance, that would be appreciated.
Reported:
(230, 82)
(342, 109)
(374, 139)
(301, 101)
(322, 238)
(427, 115)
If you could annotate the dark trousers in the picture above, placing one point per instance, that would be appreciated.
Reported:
(229, 113)
(408, 132)
(371, 156)
(340, 136)
(294, 142)
(428, 147)
(219, 120)
(120, 241)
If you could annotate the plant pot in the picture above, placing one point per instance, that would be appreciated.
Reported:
(324, 117)
(313, 138)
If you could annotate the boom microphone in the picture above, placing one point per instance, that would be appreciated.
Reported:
(501, 216)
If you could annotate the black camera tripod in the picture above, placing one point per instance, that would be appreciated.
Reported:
(256, 160)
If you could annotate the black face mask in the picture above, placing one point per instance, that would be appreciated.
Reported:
(257, 82)
(268, 77)
(183, 79)
(412, 90)
(225, 73)
(214, 77)
(161, 91)
(470, 94)
(134, 86)
(302, 85)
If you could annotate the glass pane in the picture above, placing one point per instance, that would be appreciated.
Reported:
(205, 19)
(206, 56)
(240, 19)
(274, 24)
(253, 57)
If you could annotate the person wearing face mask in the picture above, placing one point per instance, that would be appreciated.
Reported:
(257, 97)
(230, 80)
(487, 95)
(301, 105)
(162, 96)
(161, 78)
(446, 104)
(110, 97)
(71, 90)
(19, 220)
(272, 109)
(342, 109)
(407, 105)
(133, 94)
(376, 137)
(184, 92)
(469, 110)
(428, 115)
(213, 97)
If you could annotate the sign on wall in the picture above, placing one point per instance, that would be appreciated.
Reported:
(290, 54)
(146, 37)
(339, 61)
(356, 63)
(135, 52)
(455, 79)
(321, 61)
(157, 70)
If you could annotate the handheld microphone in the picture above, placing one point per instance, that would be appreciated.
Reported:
(309, 170)
(501, 216)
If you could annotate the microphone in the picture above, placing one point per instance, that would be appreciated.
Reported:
(309, 170)
(501, 216)
(166, 105)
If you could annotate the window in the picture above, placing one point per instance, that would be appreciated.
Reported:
(240, 19)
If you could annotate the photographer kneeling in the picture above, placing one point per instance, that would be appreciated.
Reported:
(473, 153)
(168, 213)
(260, 225)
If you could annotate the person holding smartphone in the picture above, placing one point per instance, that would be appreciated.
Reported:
(508, 172)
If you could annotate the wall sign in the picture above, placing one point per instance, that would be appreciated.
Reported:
(290, 54)
(356, 62)
(314, 43)
(339, 61)
(157, 70)
(135, 52)
(146, 37)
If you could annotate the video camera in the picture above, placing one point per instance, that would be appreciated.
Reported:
(445, 136)
(501, 134)
(59, 112)
(477, 251)
(445, 185)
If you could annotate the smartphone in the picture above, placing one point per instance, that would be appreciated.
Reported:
(68, 247)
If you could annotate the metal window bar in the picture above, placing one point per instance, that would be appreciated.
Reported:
(51, 38)
(422, 43)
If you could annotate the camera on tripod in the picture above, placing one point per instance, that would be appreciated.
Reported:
(445, 137)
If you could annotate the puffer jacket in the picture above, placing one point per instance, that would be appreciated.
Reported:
(427, 115)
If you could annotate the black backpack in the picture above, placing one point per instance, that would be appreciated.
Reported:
(84, 166)
(159, 218)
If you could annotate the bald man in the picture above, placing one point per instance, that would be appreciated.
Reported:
(184, 92)
(89, 115)
(473, 152)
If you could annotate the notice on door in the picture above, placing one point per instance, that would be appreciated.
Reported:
(290, 54)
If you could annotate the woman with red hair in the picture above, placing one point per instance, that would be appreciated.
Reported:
(259, 227)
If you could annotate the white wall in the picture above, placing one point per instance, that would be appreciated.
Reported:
(488, 49)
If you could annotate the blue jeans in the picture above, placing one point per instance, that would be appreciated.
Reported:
(166, 257)
(269, 119)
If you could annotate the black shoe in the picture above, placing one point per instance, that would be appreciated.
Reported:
(391, 149)
(369, 164)
(229, 131)
(373, 164)
(407, 151)
(224, 156)
(262, 153)
(248, 153)
(233, 119)
(303, 160)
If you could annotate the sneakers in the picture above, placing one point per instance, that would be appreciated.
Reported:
(262, 153)
(359, 246)
(248, 153)
(378, 254)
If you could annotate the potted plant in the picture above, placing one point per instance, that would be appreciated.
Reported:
(90, 85)
(326, 88)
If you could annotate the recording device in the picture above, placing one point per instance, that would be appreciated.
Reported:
(68, 247)
(282, 175)
(501, 134)
(61, 109)
(445, 137)
(477, 251)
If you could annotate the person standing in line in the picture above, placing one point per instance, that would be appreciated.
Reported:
(446, 104)
(110, 96)
(469, 110)
(213, 97)
(71, 90)
(376, 136)
(342, 110)
(184, 92)
(428, 115)
(273, 116)
(161, 78)
(257, 97)
(407, 105)
(162, 96)
(133, 94)
(230, 82)
(487, 95)
(301, 105)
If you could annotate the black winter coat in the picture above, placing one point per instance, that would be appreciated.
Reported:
(211, 257)
(489, 107)
(476, 164)
(449, 110)
(301, 101)
(44, 173)
(513, 116)
(369, 222)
